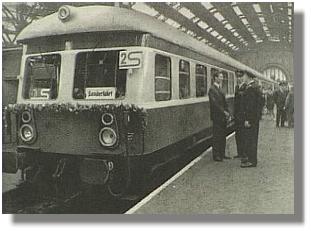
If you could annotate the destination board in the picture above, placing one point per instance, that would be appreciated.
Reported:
(100, 93)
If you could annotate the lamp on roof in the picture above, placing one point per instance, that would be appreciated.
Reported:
(64, 13)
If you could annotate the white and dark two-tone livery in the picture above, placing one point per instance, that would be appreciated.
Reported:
(105, 93)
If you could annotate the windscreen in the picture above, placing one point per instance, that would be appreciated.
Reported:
(97, 76)
(42, 77)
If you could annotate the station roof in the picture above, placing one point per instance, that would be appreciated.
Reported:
(228, 27)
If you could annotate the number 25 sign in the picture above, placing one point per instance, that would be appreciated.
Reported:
(130, 59)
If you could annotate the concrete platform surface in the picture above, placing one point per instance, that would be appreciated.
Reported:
(210, 187)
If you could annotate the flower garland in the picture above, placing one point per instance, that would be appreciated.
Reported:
(78, 108)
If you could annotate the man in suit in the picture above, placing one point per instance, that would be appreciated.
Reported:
(252, 107)
(219, 114)
(239, 117)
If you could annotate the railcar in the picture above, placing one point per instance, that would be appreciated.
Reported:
(11, 58)
(105, 93)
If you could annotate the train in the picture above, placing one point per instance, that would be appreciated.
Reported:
(106, 93)
(11, 58)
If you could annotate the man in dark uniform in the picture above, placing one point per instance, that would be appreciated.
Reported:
(252, 107)
(219, 114)
(239, 116)
(279, 99)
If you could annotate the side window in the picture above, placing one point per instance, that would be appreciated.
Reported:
(162, 78)
(201, 80)
(231, 84)
(223, 75)
(184, 79)
(213, 72)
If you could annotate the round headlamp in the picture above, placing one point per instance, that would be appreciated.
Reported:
(26, 117)
(107, 119)
(64, 13)
(26, 133)
(107, 137)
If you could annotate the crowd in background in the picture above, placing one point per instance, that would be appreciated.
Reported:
(281, 101)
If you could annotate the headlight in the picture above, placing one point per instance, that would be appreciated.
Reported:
(107, 137)
(26, 133)
(26, 117)
(107, 119)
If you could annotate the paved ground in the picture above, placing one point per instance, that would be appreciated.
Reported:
(224, 188)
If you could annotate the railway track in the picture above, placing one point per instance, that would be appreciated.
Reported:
(26, 200)
(23, 201)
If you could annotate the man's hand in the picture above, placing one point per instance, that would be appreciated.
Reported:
(247, 124)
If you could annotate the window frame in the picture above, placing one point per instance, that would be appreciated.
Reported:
(226, 78)
(231, 80)
(204, 76)
(185, 75)
(116, 69)
(169, 78)
(26, 77)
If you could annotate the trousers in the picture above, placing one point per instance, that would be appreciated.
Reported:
(219, 140)
(251, 142)
(240, 140)
(280, 117)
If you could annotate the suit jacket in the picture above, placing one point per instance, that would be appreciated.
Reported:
(252, 103)
(280, 98)
(238, 104)
(289, 103)
(218, 105)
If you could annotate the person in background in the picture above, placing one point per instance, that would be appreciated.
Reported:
(219, 114)
(279, 99)
(270, 103)
(239, 116)
(252, 108)
(289, 107)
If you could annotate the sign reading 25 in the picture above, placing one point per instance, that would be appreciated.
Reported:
(130, 59)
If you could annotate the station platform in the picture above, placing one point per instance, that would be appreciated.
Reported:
(209, 187)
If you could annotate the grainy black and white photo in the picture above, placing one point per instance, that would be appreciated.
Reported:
(147, 108)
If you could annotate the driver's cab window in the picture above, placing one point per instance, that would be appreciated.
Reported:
(99, 70)
(42, 76)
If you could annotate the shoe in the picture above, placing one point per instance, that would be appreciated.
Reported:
(227, 158)
(243, 161)
(247, 165)
(237, 157)
(217, 159)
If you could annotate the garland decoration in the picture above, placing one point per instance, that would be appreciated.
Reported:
(79, 108)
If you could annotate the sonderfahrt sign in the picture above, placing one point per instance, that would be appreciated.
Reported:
(100, 93)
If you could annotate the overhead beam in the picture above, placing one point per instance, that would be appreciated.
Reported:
(227, 12)
(269, 18)
(281, 10)
(249, 12)
(274, 20)
(167, 12)
(206, 16)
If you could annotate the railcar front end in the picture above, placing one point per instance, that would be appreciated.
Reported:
(76, 115)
